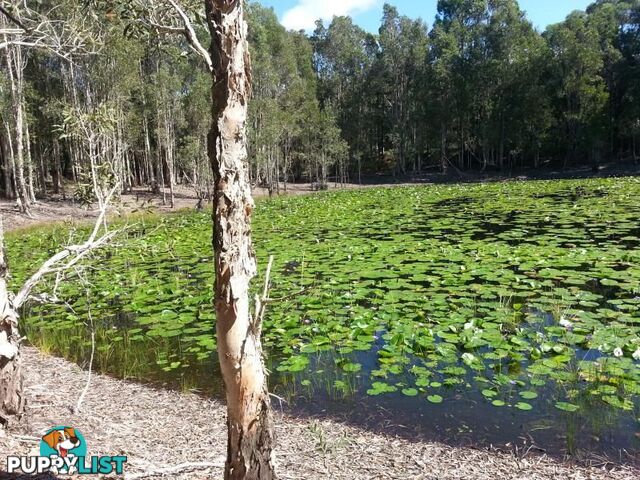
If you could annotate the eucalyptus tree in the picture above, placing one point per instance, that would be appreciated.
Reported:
(250, 423)
(402, 60)
(343, 56)
(456, 55)
(14, 68)
(630, 47)
(580, 94)
(513, 120)
(192, 145)
(618, 45)
(284, 99)
(25, 31)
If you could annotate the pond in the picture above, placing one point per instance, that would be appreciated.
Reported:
(504, 314)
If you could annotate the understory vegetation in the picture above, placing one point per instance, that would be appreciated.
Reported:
(521, 295)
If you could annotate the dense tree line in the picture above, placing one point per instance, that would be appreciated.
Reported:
(93, 98)
(483, 88)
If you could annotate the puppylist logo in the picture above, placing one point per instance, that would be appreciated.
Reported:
(63, 450)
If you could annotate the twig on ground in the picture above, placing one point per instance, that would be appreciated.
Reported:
(280, 399)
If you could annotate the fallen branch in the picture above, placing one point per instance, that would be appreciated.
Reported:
(77, 252)
(14, 19)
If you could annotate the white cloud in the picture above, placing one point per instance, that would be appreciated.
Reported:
(304, 15)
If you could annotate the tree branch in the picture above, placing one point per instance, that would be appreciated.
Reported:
(167, 28)
(13, 19)
(191, 36)
(77, 252)
(43, 32)
(186, 30)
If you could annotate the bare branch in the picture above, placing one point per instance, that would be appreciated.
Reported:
(77, 252)
(192, 38)
(43, 31)
(13, 19)
(10, 31)
(187, 30)
(167, 28)
(261, 302)
(267, 276)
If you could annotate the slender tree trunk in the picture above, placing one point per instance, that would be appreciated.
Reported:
(42, 170)
(14, 68)
(161, 171)
(12, 401)
(444, 164)
(6, 153)
(250, 423)
(29, 164)
(169, 137)
(501, 147)
(11, 170)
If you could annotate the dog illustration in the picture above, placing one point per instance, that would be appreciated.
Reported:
(62, 440)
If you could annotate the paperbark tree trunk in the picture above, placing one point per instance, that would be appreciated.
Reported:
(14, 69)
(249, 417)
(12, 400)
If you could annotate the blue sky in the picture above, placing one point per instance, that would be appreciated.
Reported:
(299, 14)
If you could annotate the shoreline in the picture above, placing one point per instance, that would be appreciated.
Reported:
(120, 417)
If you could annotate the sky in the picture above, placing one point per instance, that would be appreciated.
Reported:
(301, 14)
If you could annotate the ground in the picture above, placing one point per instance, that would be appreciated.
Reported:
(159, 430)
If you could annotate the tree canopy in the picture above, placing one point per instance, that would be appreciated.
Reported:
(479, 89)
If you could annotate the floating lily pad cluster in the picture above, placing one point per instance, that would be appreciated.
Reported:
(507, 289)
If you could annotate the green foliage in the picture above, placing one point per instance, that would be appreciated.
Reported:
(480, 89)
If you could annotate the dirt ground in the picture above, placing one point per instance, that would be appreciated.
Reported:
(167, 434)
(54, 209)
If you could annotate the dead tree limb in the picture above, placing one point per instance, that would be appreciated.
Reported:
(77, 252)
(12, 399)
(12, 18)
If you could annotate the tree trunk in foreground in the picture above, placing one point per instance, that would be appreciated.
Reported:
(249, 418)
(12, 400)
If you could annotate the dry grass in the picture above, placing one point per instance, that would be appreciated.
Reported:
(158, 429)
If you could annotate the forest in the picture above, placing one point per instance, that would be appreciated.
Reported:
(232, 250)
(479, 90)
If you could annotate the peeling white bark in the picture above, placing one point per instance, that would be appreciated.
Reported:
(250, 438)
